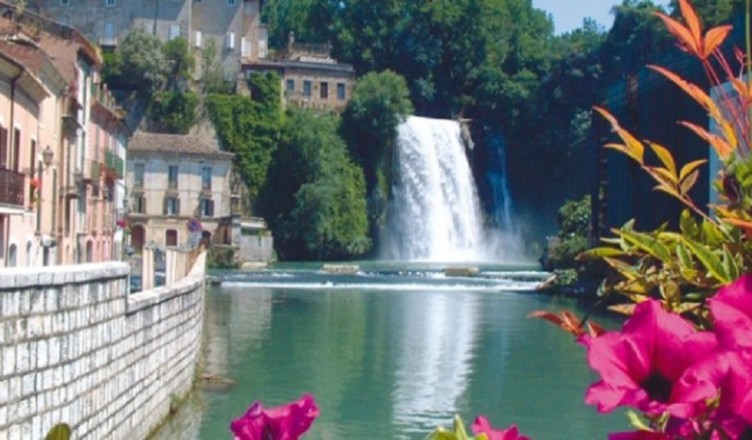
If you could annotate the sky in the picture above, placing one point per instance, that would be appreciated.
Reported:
(568, 14)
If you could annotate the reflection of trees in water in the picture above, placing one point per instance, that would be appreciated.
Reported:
(237, 319)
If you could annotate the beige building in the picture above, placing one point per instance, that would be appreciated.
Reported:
(57, 130)
(234, 25)
(180, 191)
(311, 78)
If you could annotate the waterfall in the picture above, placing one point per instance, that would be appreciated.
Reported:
(435, 212)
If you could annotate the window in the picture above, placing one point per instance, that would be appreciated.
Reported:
(139, 205)
(290, 85)
(64, 2)
(174, 32)
(245, 47)
(12, 254)
(231, 2)
(206, 178)
(172, 176)
(16, 150)
(324, 90)
(306, 88)
(230, 40)
(109, 3)
(32, 168)
(138, 178)
(206, 207)
(171, 206)
(109, 33)
(3, 147)
(197, 37)
(341, 91)
(171, 237)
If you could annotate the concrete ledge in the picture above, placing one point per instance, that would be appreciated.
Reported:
(21, 278)
(153, 297)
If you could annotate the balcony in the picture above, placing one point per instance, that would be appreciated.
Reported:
(12, 188)
(114, 166)
(91, 171)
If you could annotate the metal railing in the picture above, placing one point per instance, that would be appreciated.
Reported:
(11, 187)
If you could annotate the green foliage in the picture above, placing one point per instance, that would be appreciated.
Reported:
(178, 56)
(250, 129)
(314, 199)
(572, 237)
(379, 103)
(173, 112)
(213, 75)
(221, 257)
(141, 61)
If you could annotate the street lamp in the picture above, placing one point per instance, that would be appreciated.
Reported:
(47, 156)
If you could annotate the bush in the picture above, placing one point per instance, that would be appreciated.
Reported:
(221, 257)
(173, 112)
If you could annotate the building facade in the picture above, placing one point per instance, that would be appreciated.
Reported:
(310, 76)
(180, 191)
(57, 138)
(233, 25)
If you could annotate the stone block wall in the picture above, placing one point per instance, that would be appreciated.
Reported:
(76, 348)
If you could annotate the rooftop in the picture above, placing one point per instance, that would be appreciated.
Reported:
(143, 142)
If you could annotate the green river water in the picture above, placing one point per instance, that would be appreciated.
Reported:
(391, 354)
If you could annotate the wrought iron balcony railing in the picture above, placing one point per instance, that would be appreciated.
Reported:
(11, 187)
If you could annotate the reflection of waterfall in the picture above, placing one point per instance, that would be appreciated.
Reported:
(435, 357)
(435, 213)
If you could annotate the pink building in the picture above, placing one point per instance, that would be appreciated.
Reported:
(62, 142)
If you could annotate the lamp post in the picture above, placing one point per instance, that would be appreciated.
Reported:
(47, 156)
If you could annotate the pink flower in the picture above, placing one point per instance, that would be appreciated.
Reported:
(647, 365)
(732, 310)
(286, 422)
(482, 426)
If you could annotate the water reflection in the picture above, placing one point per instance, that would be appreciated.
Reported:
(392, 365)
(434, 357)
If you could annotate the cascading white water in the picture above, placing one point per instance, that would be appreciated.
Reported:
(435, 213)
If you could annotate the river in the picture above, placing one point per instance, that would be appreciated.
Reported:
(391, 354)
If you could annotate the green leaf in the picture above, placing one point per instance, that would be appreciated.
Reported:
(730, 264)
(685, 259)
(61, 431)
(637, 421)
(688, 225)
(647, 243)
(623, 268)
(601, 252)
(708, 259)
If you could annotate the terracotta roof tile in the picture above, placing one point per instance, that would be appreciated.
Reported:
(143, 142)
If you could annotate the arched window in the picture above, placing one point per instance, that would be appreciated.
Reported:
(12, 255)
(28, 253)
(89, 251)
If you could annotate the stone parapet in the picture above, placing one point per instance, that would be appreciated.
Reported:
(76, 348)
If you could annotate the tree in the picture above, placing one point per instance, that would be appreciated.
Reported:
(314, 198)
(180, 59)
(212, 74)
(250, 129)
(379, 103)
(141, 61)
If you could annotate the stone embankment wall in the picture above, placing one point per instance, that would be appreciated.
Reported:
(76, 348)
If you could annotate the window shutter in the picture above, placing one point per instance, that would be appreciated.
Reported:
(211, 208)
(164, 206)
(177, 206)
